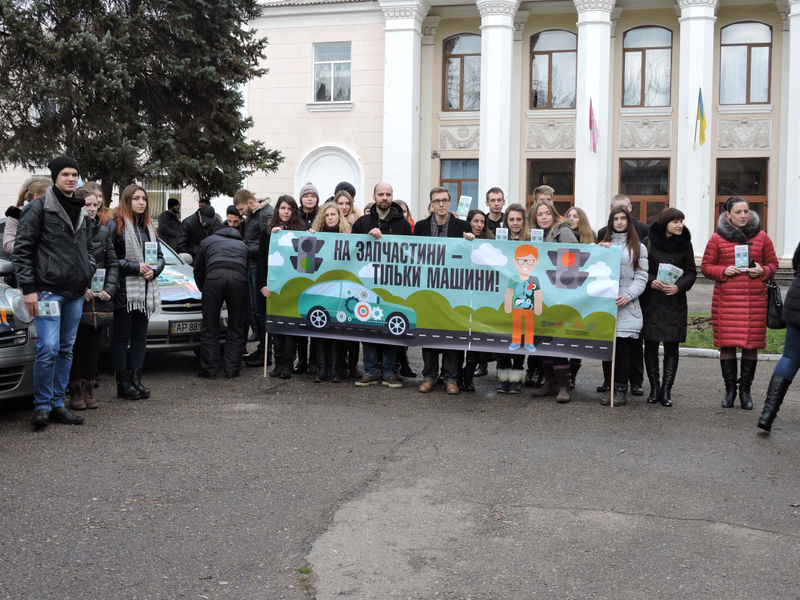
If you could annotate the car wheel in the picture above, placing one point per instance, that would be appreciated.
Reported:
(396, 324)
(318, 317)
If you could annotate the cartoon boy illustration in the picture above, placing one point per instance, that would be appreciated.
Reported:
(523, 297)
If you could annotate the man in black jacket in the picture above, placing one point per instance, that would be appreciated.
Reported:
(386, 217)
(220, 271)
(169, 223)
(54, 269)
(197, 227)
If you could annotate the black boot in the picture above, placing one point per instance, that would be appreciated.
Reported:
(334, 360)
(125, 389)
(775, 393)
(302, 355)
(606, 377)
(136, 382)
(574, 367)
(620, 399)
(651, 367)
(728, 366)
(670, 370)
(468, 378)
(321, 358)
(482, 370)
(745, 379)
(403, 366)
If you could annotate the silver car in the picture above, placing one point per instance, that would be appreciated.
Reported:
(17, 341)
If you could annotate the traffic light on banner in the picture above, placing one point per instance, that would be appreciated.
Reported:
(567, 273)
(306, 260)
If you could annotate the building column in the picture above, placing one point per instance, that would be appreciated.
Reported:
(516, 176)
(497, 51)
(401, 95)
(789, 195)
(694, 195)
(592, 191)
(426, 140)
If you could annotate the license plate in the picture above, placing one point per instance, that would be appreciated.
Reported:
(185, 327)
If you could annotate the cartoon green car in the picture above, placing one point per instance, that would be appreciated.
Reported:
(348, 302)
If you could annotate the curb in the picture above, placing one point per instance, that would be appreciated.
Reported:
(712, 353)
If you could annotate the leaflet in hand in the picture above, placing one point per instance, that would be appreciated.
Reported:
(537, 235)
(49, 308)
(464, 202)
(668, 274)
(501, 233)
(741, 255)
(151, 253)
(98, 281)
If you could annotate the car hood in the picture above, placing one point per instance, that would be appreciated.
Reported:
(176, 283)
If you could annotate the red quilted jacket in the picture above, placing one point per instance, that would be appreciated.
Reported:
(739, 303)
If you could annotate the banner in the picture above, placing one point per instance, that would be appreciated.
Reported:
(482, 295)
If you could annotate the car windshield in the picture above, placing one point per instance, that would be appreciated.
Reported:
(170, 258)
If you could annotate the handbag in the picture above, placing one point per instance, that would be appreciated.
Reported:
(774, 305)
(97, 313)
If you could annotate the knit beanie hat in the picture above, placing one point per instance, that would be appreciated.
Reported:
(59, 164)
(172, 202)
(347, 187)
(309, 189)
(206, 211)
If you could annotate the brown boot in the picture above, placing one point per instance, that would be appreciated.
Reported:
(75, 391)
(88, 393)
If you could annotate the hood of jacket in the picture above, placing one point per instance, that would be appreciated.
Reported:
(730, 232)
(672, 244)
(228, 232)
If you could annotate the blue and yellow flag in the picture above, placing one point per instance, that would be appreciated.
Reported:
(701, 117)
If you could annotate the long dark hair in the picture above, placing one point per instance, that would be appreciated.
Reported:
(486, 233)
(632, 238)
(124, 210)
(296, 222)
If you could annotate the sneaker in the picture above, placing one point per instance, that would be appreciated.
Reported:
(392, 381)
(367, 379)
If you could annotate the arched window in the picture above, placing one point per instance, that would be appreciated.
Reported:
(647, 60)
(553, 68)
(462, 72)
(744, 74)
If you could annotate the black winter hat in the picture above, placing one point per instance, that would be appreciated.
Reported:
(206, 211)
(59, 164)
(347, 187)
(172, 202)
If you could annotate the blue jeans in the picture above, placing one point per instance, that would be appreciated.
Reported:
(372, 355)
(790, 360)
(55, 337)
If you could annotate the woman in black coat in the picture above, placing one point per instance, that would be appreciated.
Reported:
(664, 304)
(86, 349)
(789, 363)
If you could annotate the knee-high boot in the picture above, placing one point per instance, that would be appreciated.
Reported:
(574, 367)
(775, 393)
(729, 368)
(468, 377)
(651, 367)
(670, 370)
(320, 356)
(302, 355)
(748, 372)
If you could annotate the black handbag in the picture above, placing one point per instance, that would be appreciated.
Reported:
(774, 305)
(97, 314)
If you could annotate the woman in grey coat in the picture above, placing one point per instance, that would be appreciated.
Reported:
(632, 282)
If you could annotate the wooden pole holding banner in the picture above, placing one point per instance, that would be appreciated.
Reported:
(613, 363)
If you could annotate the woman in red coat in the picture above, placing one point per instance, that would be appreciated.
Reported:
(739, 304)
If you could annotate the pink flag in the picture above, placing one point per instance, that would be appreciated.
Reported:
(593, 127)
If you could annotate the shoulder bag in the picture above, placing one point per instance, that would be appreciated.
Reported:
(774, 305)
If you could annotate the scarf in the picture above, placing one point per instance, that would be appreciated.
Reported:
(439, 230)
(142, 295)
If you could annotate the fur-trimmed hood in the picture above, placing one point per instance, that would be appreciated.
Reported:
(730, 232)
(676, 243)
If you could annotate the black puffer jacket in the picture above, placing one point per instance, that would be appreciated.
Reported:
(130, 267)
(49, 253)
(169, 228)
(394, 223)
(791, 304)
(665, 316)
(255, 225)
(192, 233)
(105, 257)
(222, 250)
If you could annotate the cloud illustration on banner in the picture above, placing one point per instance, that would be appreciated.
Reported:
(602, 286)
(275, 260)
(366, 272)
(286, 240)
(488, 255)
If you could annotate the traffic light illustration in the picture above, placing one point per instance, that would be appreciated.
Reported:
(306, 260)
(567, 274)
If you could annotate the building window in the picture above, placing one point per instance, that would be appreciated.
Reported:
(647, 58)
(559, 174)
(460, 178)
(553, 69)
(745, 63)
(462, 72)
(332, 72)
(646, 182)
(744, 177)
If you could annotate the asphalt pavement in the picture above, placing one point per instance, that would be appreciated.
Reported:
(262, 488)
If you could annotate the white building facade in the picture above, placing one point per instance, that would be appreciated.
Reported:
(421, 93)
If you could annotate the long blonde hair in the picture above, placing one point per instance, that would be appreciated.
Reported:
(353, 215)
(525, 232)
(319, 220)
(584, 232)
(557, 218)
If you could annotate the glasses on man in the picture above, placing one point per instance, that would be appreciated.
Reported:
(441, 201)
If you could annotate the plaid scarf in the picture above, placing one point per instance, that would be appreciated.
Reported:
(142, 295)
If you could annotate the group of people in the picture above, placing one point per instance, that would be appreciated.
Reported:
(81, 268)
